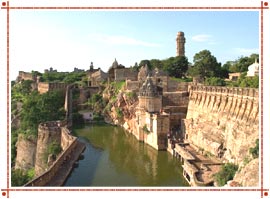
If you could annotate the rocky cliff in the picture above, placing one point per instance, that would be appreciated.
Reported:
(248, 175)
(122, 109)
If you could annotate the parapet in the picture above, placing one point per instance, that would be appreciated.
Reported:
(249, 92)
(51, 125)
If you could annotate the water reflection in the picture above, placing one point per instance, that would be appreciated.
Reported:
(113, 157)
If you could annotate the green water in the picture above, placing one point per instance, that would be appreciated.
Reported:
(114, 157)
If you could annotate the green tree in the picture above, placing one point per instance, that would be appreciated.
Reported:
(36, 73)
(205, 65)
(251, 82)
(242, 63)
(73, 77)
(156, 63)
(53, 76)
(143, 62)
(39, 108)
(176, 66)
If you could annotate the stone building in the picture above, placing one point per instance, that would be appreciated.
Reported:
(152, 125)
(180, 44)
(51, 70)
(77, 70)
(26, 76)
(161, 108)
(149, 98)
(111, 71)
(118, 72)
(234, 76)
(97, 77)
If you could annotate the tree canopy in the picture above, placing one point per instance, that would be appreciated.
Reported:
(176, 66)
(241, 64)
(39, 108)
(206, 65)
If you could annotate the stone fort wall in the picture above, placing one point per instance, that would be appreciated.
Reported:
(54, 131)
(122, 74)
(44, 87)
(223, 121)
(26, 76)
(175, 99)
(46, 176)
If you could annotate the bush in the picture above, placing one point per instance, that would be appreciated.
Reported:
(145, 129)
(54, 148)
(20, 178)
(214, 81)
(255, 150)
(131, 95)
(226, 173)
(119, 113)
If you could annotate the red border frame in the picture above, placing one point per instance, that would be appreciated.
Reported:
(264, 5)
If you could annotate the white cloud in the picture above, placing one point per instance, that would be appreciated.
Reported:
(246, 51)
(122, 40)
(202, 38)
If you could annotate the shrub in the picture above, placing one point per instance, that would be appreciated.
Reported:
(131, 95)
(226, 173)
(214, 81)
(255, 150)
(54, 148)
(145, 129)
(119, 113)
(20, 178)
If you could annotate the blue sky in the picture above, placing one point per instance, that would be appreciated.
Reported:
(67, 39)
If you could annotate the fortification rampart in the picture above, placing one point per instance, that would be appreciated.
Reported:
(44, 87)
(47, 176)
(48, 133)
(223, 121)
(237, 103)
(56, 131)
(26, 76)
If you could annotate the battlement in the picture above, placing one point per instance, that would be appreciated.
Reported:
(26, 76)
(51, 125)
(249, 92)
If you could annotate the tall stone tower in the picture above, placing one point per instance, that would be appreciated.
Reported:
(180, 44)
